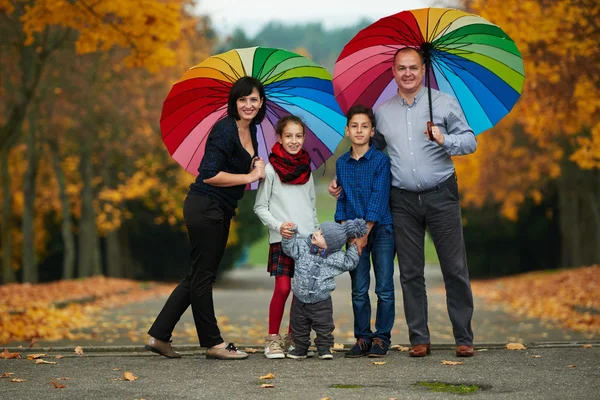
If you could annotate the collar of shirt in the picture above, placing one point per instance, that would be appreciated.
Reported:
(348, 155)
(418, 97)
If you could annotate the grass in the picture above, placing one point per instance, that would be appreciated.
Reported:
(449, 387)
(258, 252)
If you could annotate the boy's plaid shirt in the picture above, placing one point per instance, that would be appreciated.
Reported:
(365, 187)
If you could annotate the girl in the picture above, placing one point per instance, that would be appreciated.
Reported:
(286, 197)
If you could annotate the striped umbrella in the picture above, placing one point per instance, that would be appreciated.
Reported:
(466, 56)
(293, 85)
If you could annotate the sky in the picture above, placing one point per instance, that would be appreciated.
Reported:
(251, 15)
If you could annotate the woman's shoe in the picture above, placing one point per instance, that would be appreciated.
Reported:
(159, 347)
(229, 352)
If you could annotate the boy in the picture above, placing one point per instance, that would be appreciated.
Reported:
(364, 175)
(318, 259)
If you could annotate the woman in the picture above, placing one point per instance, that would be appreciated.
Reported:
(230, 162)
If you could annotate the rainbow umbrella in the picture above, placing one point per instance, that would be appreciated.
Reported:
(293, 85)
(466, 56)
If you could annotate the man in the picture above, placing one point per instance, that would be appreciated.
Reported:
(424, 194)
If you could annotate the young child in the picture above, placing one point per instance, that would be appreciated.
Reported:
(288, 181)
(319, 259)
(364, 175)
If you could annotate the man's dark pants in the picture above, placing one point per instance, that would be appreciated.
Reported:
(438, 210)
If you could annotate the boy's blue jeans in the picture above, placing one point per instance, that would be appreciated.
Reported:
(381, 250)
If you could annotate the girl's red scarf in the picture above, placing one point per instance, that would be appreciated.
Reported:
(292, 169)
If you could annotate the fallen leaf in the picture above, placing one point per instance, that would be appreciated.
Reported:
(250, 350)
(63, 379)
(378, 362)
(586, 346)
(18, 380)
(325, 398)
(536, 356)
(267, 376)
(40, 361)
(79, 350)
(128, 376)
(117, 369)
(34, 356)
(59, 357)
(8, 355)
(515, 346)
(446, 362)
(338, 345)
(7, 375)
(572, 366)
(399, 348)
(58, 385)
(33, 343)
(481, 350)
(267, 386)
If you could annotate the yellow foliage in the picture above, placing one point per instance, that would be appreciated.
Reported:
(559, 108)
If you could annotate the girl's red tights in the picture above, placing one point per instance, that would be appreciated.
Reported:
(283, 285)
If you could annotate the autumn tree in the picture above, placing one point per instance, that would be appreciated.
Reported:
(551, 139)
(35, 30)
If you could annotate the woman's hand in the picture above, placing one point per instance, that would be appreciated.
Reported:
(256, 174)
(258, 162)
(286, 230)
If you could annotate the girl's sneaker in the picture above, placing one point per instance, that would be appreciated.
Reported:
(273, 347)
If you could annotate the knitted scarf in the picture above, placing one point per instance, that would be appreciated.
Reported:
(292, 169)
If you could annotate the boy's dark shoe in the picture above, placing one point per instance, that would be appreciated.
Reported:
(297, 354)
(325, 353)
(361, 348)
(378, 348)
(420, 350)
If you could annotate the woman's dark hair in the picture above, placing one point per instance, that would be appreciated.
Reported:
(360, 109)
(289, 119)
(243, 87)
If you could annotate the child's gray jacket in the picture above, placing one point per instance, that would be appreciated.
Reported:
(315, 268)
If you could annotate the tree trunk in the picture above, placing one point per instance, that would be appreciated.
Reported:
(113, 245)
(30, 268)
(579, 191)
(8, 274)
(67, 223)
(89, 244)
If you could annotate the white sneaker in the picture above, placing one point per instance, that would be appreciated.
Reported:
(273, 347)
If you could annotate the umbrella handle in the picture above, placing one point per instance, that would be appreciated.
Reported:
(429, 131)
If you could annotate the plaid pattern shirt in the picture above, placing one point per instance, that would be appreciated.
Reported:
(365, 187)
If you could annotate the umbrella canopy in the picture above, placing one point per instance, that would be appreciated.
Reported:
(468, 57)
(293, 85)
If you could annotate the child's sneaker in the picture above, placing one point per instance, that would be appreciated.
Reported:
(297, 354)
(288, 345)
(325, 353)
(273, 346)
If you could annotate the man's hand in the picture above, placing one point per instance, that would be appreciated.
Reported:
(438, 136)
(334, 189)
(286, 230)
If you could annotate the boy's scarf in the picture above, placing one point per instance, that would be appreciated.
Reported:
(292, 169)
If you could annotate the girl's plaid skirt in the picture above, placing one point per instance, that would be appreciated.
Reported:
(279, 263)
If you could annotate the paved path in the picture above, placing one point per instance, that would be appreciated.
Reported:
(242, 300)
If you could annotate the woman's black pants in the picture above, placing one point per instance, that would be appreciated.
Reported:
(208, 230)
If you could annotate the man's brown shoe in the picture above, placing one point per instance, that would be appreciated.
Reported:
(230, 352)
(160, 347)
(420, 350)
(465, 351)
